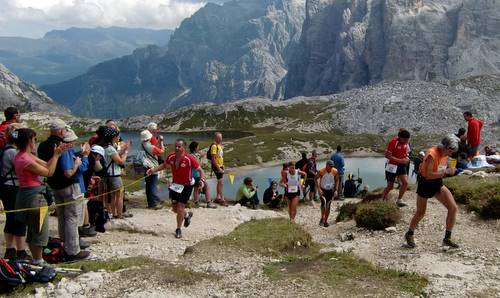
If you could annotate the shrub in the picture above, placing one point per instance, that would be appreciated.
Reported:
(377, 215)
(346, 212)
(491, 210)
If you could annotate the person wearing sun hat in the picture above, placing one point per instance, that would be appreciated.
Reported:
(151, 154)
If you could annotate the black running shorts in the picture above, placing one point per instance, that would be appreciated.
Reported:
(401, 170)
(182, 197)
(429, 188)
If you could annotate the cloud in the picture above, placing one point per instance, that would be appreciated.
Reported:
(33, 18)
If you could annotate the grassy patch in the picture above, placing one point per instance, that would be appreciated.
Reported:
(269, 237)
(481, 195)
(347, 275)
(377, 215)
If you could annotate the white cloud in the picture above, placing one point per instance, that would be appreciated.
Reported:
(33, 18)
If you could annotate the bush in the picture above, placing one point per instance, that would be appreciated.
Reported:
(377, 215)
(346, 212)
(491, 210)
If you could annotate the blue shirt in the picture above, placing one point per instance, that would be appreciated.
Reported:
(338, 162)
(68, 162)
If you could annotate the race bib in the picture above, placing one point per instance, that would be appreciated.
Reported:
(442, 169)
(178, 188)
(391, 168)
(293, 188)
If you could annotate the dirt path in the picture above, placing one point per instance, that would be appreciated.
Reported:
(473, 269)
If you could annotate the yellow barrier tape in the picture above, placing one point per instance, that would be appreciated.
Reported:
(78, 200)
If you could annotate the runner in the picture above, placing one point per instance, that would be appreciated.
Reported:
(199, 186)
(182, 165)
(328, 184)
(397, 153)
(473, 133)
(291, 183)
(216, 155)
(433, 169)
(311, 170)
(339, 164)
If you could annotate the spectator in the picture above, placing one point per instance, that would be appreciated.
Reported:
(351, 187)
(416, 164)
(247, 193)
(152, 153)
(11, 116)
(473, 133)
(339, 164)
(200, 187)
(271, 197)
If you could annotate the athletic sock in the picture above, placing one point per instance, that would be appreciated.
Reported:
(447, 234)
(410, 232)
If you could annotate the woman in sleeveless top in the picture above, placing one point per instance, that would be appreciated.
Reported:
(291, 183)
(432, 170)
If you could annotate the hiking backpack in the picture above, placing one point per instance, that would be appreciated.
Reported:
(54, 251)
(9, 278)
(209, 152)
(5, 178)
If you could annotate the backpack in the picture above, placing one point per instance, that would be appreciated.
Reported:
(209, 152)
(54, 251)
(98, 216)
(142, 162)
(10, 172)
(9, 277)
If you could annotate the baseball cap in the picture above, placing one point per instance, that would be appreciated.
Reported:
(97, 149)
(57, 124)
(146, 135)
(70, 136)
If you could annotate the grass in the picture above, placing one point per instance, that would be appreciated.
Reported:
(481, 195)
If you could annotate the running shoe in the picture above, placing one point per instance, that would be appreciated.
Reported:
(410, 240)
(211, 206)
(23, 255)
(450, 243)
(321, 222)
(401, 204)
(326, 224)
(187, 219)
(178, 233)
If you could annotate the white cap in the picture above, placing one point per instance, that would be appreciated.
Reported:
(70, 136)
(98, 149)
(152, 125)
(146, 135)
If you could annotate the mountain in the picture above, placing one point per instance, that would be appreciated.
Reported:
(347, 44)
(26, 97)
(234, 50)
(64, 54)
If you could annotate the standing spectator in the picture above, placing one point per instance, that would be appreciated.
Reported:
(28, 169)
(66, 189)
(339, 164)
(271, 197)
(199, 186)
(300, 164)
(153, 129)
(152, 152)
(182, 165)
(397, 154)
(473, 133)
(14, 230)
(247, 192)
(11, 116)
(217, 158)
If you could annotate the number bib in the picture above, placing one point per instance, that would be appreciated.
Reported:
(442, 169)
(293, 188)
(178, 188)
(391, 168)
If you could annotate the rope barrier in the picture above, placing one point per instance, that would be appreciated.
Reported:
(78, 199)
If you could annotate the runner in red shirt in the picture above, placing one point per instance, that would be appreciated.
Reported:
(182, 165)
(473, 133)
(397, 154)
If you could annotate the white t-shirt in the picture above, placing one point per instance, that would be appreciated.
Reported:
(113, 169)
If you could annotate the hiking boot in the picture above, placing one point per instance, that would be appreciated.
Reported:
(23, 255)
(79, 256)
(187, 219)
(326, 224)
(87, 231)
(401, 204)
(450, 243)
(83, 244)
(178, 233)
(410, 240)
(211, 205)
(10, 253)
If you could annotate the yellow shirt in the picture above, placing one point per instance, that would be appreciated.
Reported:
(216, 150)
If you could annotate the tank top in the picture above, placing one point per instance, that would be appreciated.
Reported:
(293, 182)
(25, 177)
(439, 165)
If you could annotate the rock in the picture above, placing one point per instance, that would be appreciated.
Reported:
(346, 236)
(390, 229)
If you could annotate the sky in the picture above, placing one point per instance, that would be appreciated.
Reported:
(33, 18)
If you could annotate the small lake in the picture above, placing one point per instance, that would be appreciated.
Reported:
(371, 169)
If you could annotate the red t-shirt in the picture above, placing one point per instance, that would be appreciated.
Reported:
(474, 132)
(3, 130)
(183, 174)
(398, 149)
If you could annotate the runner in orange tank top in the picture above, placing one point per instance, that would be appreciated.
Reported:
(432, 170)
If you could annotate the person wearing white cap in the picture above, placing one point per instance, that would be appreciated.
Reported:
(66, 189)
(155, 139)
(151, 160)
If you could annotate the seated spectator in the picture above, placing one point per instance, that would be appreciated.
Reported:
(462, 163)
(488, 151)
(247, 193)
(351, 186)
(271, 197)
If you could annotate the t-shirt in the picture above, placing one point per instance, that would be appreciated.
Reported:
(398, 149)
(327, 180)
(183, 174)
(46, 152)
(311, 168)
(3, 129)
(245, 191)
(216, 150)
(439, 165)
(26, 178)
(113, 169)
(196, 155)
(8, 170)
(338, 162)
(474, 132)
